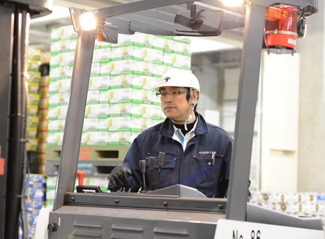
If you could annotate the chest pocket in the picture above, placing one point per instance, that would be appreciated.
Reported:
(169, 162)
(209, 160)
(209, 170)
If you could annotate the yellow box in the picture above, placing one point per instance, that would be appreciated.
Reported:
(44, 103)
(42, 147)
(33, 87)
(32, 144)
(43, 125)
(43, 114)
(44, 92)
(42, 137)
(32, 110)
(45, 81)
(31, 132)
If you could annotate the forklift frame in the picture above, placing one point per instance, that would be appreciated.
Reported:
(248, 84)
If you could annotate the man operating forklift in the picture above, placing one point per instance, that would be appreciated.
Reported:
(183, 149)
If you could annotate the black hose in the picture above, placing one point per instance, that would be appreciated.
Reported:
(24, 41)
(17, 131)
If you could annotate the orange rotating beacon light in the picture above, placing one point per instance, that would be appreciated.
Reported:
(281, 27)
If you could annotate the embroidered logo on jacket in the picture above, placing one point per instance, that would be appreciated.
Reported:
(207, 152)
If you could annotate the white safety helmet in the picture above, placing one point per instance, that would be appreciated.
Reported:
(179, 77)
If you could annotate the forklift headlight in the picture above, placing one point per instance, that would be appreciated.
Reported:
(87, 21)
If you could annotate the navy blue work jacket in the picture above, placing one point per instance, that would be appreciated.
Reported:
(204, 165)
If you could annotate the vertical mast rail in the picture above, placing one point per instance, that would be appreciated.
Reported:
(245, 116)
(75, 116)
(6, 31)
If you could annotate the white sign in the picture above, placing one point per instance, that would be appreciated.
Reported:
(230, 229)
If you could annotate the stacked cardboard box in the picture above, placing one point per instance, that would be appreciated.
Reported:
(38, 102)
(121, 98)
(35, 200)
(33, 82)
(296, 203)
(43, 111)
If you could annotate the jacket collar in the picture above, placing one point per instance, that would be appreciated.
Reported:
(167, 128)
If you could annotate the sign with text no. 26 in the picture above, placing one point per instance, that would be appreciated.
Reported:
(230, 229)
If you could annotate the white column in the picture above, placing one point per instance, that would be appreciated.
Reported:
(279, 122)
(312, 105)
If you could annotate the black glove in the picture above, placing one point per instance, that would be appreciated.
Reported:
(249, 195)
(120, 176)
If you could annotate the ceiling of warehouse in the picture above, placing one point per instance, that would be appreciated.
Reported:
(40, 29)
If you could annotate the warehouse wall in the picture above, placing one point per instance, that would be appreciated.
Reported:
(279, 84)
(312, 105)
